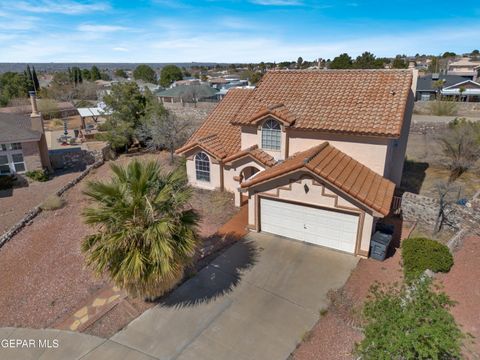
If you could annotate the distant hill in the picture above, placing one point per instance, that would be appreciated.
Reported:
(52, 67)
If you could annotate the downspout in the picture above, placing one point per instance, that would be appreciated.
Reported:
(222, 185)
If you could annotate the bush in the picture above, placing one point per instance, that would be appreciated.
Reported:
(53, 202)
(409, 323)
(37, 175)
(420, 254)
(443, 108)
(6, 182)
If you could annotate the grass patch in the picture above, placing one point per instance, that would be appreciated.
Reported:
(53, 202)
(37, 175)
(420, 254)
(443, 108)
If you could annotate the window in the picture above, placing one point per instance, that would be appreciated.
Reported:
(4, 167)
(271, 135)
(3, 147)
(16, 146)
(202, 167)
(18, 162)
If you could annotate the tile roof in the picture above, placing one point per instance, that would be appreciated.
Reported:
(17, 128)
(218, 124)
(340, 170)
(256, 153)
(364, 102)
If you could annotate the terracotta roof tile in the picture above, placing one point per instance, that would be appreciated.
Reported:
(339, 169)
(367, 102)
(256, 153)
(218, 123)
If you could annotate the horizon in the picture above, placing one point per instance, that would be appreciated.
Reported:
(229, 31)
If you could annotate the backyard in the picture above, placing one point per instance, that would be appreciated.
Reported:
(44, 277)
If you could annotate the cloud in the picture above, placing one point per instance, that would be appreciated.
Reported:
(100, 28)
(68, 7)
(16, 22)
(122, 49)
(277, 2)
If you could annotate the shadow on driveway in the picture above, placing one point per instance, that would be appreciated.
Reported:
(216, 279)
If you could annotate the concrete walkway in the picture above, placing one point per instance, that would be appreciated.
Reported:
(254, 301)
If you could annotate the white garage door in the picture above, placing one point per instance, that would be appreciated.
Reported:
(317, 226)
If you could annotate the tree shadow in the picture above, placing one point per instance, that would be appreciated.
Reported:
(7, 188)
(413, 176)
(216, 279)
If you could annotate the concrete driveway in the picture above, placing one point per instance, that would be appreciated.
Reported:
(255, 301)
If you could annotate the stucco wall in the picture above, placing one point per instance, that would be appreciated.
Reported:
(369, 151)
(317, 195)
(31, 156)
(252, 135)
(215, 175)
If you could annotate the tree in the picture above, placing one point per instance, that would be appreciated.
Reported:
(36, 83)
(461, 146)
(61, 88)
(128, 107)
(164, 130)
(399, 62)
(343, 61)
(86, 74)
(121, 73)
(367, 61)
(95, 73)
(75, 75)
(12, 85)
(299, 62)
(146, 232)
(145, 73)
(169, 74)
(409, 322)
(448, 54)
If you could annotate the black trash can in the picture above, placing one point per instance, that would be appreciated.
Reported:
(379, 245)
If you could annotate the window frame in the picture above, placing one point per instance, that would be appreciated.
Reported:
(202, 167)
(271, 137)
(9, 151)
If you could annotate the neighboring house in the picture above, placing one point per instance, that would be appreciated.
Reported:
(186, 93)
(427, 85)
(60, 109)
(465, 67)
(316, 154)
(23, 146)
(467, 90)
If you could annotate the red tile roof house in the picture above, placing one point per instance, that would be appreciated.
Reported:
(23, 146)
(317, 154)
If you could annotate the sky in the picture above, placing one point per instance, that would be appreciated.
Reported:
(231, 30)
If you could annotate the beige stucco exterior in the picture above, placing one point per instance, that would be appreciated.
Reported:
(31, 156)
(291, 188)
(215, 182)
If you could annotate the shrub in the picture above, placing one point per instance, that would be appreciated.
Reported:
(53, 202)
(409, 323)
(37, 175)
(443, 108)
(420, 254)
(6, 182)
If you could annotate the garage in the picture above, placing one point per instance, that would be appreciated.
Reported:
(329, 228)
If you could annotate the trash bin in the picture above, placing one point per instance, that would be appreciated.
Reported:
(379, 245)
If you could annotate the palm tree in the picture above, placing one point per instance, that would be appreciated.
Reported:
(146, 233)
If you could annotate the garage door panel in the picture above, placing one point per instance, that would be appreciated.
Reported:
(318, 226)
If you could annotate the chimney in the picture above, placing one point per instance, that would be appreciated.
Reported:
(33, 101)
(35, 116)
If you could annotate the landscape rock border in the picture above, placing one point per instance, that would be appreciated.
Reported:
(30, 215)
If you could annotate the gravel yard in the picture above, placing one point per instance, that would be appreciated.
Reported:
(15, 203)
(43, 275)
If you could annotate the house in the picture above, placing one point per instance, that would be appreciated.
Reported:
(467, 90)
(465, 67)
(315, 155)
(51, 109)
(427, 87)
(186, 93)
(23, 146)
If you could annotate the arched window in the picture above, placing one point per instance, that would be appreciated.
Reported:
(271, 135)
(202, 166)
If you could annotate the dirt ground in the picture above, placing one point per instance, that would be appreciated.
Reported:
(15, 203)
(43, 274)
(425, 167)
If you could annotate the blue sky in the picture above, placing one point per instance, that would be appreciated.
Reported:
(230, 30)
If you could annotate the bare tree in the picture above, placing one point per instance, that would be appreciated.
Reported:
(165, 131)
(448, 194)
(461, 146)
